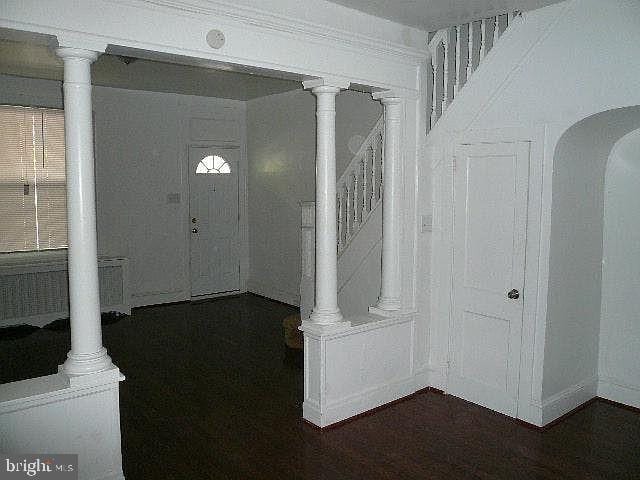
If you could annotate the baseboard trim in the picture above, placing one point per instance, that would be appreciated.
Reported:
(146, 299)
(358, 404)
(612, 389)
(270, 291)
(568, 399)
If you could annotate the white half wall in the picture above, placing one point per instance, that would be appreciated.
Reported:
(142, 194)
(281, 157)
(619, 364)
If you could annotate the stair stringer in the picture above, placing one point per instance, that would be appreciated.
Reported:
(359, 272)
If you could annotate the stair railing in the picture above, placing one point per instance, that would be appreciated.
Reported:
(455, 54)
(359, 188)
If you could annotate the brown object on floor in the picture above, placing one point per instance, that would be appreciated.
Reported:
(292, 336)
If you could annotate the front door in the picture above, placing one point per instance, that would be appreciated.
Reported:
(213, 210)
(491, 188)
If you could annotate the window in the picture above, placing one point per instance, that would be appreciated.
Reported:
(213, 164)
(33, 214)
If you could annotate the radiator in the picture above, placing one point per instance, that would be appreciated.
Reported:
(34, 287)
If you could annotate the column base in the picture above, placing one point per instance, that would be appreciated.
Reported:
(321, 329)
(386, 307)
(86, 363)
(324, 317)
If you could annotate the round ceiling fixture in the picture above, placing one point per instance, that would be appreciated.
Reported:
(215, 38)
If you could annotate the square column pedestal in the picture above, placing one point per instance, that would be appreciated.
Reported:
(66, 414)
(356, 367)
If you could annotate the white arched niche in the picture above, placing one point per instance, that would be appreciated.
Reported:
(583, 353)
(619, 356)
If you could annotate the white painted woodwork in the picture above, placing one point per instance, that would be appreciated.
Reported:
(507, 101)
(61, 413)
(281, 151)
(363, 366)
(360, 187)
(214, 223)
(325, 310)
(87, 355)
(491, 183)
(390, 290)
(449, 73)
(257, 38)
(34, 287)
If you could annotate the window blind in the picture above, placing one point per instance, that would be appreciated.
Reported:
(32, 179)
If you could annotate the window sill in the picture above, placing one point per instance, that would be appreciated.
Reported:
(23, 259)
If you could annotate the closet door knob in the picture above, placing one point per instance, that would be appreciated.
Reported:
(513, 294)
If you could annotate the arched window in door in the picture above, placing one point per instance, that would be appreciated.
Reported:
(213, 164)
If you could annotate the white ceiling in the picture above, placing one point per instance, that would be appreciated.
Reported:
(38, 61)
(430, 15)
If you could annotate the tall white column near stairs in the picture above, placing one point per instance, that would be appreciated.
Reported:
(87, 355)
(326, 310)
(390, 289)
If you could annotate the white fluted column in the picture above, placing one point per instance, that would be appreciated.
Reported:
(390, 289)
(87, 354)
(326, 310)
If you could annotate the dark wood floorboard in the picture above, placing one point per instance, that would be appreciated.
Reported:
(211, 393)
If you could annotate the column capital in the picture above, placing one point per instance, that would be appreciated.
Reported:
(80, 41)
(393, 95)
(77, 53)
(330, 83)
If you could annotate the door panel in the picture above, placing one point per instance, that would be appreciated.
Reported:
(491, 183)
(213, 208)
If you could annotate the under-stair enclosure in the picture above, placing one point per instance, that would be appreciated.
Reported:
(514, 169)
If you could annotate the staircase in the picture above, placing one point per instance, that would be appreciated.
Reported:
(455, 53)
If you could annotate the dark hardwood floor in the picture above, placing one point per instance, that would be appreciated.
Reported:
(211, 392)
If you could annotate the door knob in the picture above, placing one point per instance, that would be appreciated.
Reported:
(194, 230)
(513, 294)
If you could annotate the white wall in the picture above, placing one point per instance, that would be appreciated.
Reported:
(619, 364)
(141, 141)
(573, 305)
(281, 157)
